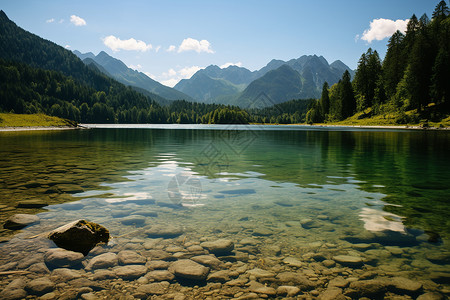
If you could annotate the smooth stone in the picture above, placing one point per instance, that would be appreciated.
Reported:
(80, 236)
(293, 262)
(160, 255)
(297, 279)
(62, 258)
(219, 276)
(173, 249)
(18, 283)
(260, 288)
(208, 260)
(439, 258)
(262, 232)
(133, 220)
(332, 293)
(85, 283)
(401, 285)
(440, 277)
(103, 275)
(221, 246)
(40, 286)
(34, 203)
(362, 246)
(102, 261)
(260, 273)
(338, 282)
(348, 260)
(64, 274)
(49, 296)
(89, 296)
(157, 265)
(249, 241)
(19, 221)
(164, 231)
(189, 269)
(160, 275)
(130, 272)
(129, 257)
(430, 296)
(328, 263)
(195, 248)
(39, 268)
(307, 223)
(13, 294)
(152, 289)
(287, 290)
(367, 288)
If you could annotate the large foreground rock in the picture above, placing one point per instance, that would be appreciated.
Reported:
(219, 247)
(189, 269)
(19, 221)
(80, 236)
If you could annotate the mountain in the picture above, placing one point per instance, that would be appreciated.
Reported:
(119, 71)
(276, 86)
(239, 86)
(40, 76)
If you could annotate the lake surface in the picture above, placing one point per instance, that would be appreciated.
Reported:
(382, 195)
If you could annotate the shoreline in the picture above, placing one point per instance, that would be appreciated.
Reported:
(82, 126)
(38, 128)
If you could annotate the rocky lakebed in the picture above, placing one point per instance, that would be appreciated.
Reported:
(148, 258)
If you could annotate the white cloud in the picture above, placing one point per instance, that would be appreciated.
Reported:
(135, 67)
(226, 65)
(169, 73)
(77, 21)
(116, 44)
(50, 20)
(383, 28)
(191, 44)
(171, 48)
(187, 72)
(172, 77)
(157, 49)
(170, 82)
(67, 46)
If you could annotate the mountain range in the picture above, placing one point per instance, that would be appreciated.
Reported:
(116, 69)
(279, 81)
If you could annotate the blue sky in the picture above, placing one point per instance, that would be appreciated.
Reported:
(170, 40)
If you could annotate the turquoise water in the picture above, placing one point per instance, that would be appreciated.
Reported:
(292, 186)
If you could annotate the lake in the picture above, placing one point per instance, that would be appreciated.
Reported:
(299, 199)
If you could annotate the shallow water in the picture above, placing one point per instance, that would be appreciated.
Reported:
(303, 189)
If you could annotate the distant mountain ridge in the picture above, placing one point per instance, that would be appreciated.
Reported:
(116, 69)
(235, 85)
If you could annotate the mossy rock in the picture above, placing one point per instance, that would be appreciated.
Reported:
(80, 236)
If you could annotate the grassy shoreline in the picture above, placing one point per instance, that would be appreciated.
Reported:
(9, 121)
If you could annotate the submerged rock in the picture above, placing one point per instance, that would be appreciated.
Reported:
(80, 236)
(34, 203)
(40, 286)
(61, 258)
(348, 260)
(219, 247)
(19, 221)
(189, 269)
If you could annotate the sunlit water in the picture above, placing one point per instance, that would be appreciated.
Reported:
(301, 188)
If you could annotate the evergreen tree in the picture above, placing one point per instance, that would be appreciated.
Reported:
(394, 63)
(325, 100)
(348, 102)
(441, 10)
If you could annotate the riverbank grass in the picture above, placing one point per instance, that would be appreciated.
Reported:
(33, 120)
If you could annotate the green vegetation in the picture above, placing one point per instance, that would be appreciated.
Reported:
(41, 120)
(411, 85)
